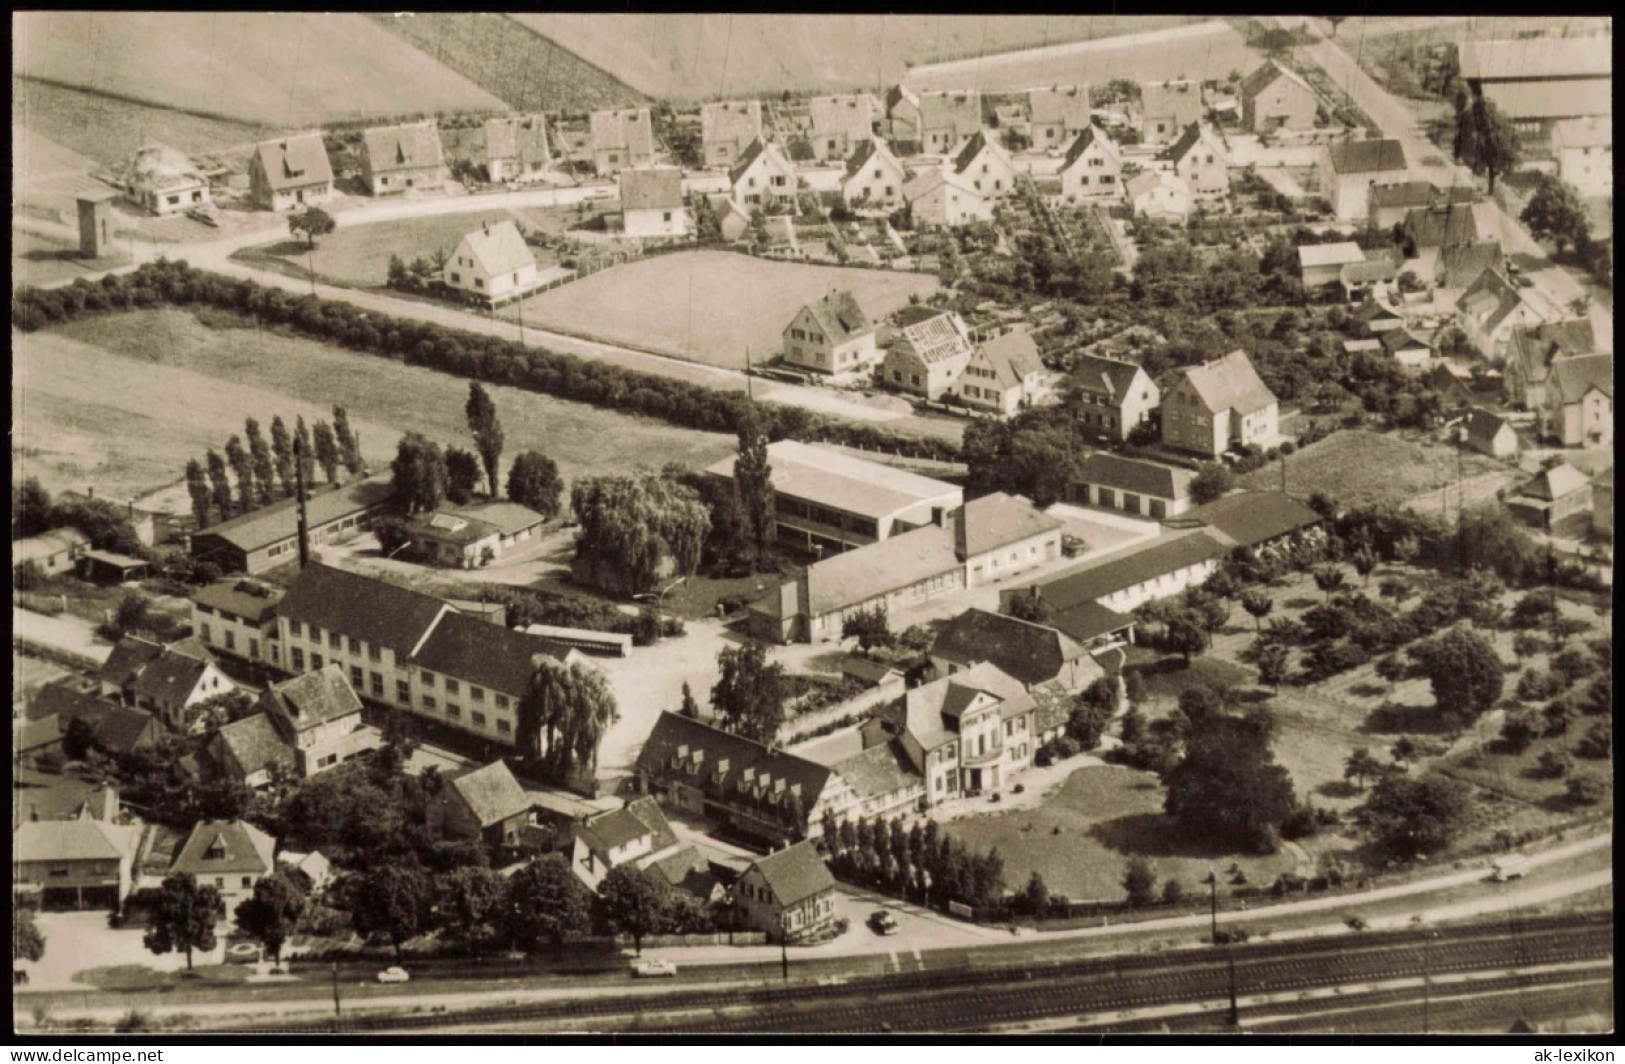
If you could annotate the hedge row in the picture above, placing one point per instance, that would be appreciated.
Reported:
(456, 351)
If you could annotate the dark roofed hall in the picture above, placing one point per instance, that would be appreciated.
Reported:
(1032, 653)
(362, 607)
(485, 654)
(1249, 518)
(491, 793)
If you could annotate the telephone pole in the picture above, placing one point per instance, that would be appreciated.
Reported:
(1213, 902)
(335, 997)
(784, 945)
(1235, 1008)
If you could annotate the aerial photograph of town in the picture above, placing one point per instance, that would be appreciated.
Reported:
(1086, 527)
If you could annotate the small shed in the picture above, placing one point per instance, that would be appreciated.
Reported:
(106, 567)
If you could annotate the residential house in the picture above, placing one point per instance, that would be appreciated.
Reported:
(517, 149)
(410, 651)
(686, 869)
(1532, 350)
(737, 784)
(789, 894)
(727, 130)
(652, 203)
(1427, 230)
(1489, 433)
(252, 751)
(1004, 375)
(628, 835)
(83, 863)
(1133, 486)
(831, 335)
(1375, 317)
(944, 198)
(1602, 503)
(314, 866)
(929, 353)
(1167, 109)
(1031, 653)
(903, 118)
(1200, 161)
(732, 219)
(762, 176)
(475, 535)
(1114, 397)
(238, 617)
(291, 172)
(1368, 278)
(1387, 204)
(54, 552)
(964, 734)
(1159, 194)
(1011, 119)
(1490, 310)
(947, 119)
(873, 765)
(985, 541)
(1217, 406)
(1092, 167)
(1123, 583)
(405, 158)
(1320, 265)
(319, 715)
(1409, 348)
(1058, 116)
(111, 728)
(268, 537)
(621, 139)
(165, 181)
(165, 680)
(483, 804)
(873, 178)
(841, 123)
(1584, 148)
(1274, 97)
(1552, 496)
(1459, 265)
(229, 855)
(827, 501)
(1578, 410)
(1541, 81)
(1349, 168)
(49, 796)
(493, 264)
(986, 165)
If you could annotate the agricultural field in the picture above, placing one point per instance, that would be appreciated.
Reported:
(123, 401)
(709, 305)
(1156, 50)
(715, 55)
(510, 60)
(278, 70)
(1359, 468)
(359, 255)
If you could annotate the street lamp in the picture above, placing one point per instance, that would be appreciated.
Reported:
(1213, 902)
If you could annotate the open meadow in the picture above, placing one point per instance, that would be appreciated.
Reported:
(122, 401)
(284, 70)
(710, 305)
(1361, 468)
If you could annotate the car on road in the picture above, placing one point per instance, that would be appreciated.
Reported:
(394, 975)
(1509, 868)
(883, 923)
(648, 968)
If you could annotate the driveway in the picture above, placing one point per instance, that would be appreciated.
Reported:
(79, 941)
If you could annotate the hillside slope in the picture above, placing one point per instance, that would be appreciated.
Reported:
(707, 56)
(509, 60)
(277, 70)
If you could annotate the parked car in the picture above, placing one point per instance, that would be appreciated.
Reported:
(648, 968)
(204, 215)
(394, 975)
(883, 923)
(242, 953)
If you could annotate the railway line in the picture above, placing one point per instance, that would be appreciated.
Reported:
(1025, 990)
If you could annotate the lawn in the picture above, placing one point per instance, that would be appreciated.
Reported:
(281, 70)
(359, 255)
(1361, 468)
(122, 401)
(709, 305)
(39, 260)
(1106, 814)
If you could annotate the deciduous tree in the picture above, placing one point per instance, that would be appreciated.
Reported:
(563, 715)
(395, 900)
(1485, 139)
(420, 474)
(1410, 817)
(1228, 786)
(869, 627)
(487, 430)
(1464, 670)
(182, 917)
(1360, 767)
(271, 913)
(470, 902)
(632, 527)
(1555, 213)
(545, 904)
(534, 481)
(312, 222)
(753, 484)
(1258, 604)
(1212, 480)
(30, 509)
(1140, 882)
(197, 488)
(750, 693)
(219, 485)
(462, 475)
(633, 902)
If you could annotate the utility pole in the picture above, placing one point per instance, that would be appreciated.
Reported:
(784, 945)
(335, 997)
(1235, 1008)
(1213, 902)
(748, 394)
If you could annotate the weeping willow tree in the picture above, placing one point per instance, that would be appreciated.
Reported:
(564, 713)
(635, 530)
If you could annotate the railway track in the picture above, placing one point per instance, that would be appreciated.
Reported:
(1024, 989)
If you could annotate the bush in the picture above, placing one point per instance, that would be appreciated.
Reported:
(1289, 448)
(1554, 764)
(1173, 891)
(1585, 790)
(1231, 936)
(1302, 823)
(1537, 684)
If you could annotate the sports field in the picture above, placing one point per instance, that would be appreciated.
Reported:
(710, 305)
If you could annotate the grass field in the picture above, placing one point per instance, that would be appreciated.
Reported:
(359, 255)
(1360, 468)
(275, 69)
(707, 56)
(123, 401)
(710, 305)
(1106, 814)
(510, 60)
(39, 260)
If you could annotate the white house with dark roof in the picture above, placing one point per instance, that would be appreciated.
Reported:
(1584, 148)
(166, 680)
(229, 855)
(1276, 97)
(291, 172)
(930, 351)
(1159, 194)
(238, 617)
(1490, 309)
(873, 177)
(1149, 489)
(476, 534)
(1489, 433)
(1201, 161)
(492, 264)
(1004, 375)
(831, 335)
(985, 164)
(947, 118)
(484, 804)
(1114, 397)
(1578, 408)
(407, 158)
(1552, 496)
(319, 715)
(652, 203)
(517, 148)
(633, 834)
(1057, 115)
(965, 734)
(1167, 108)
(251, 751)
(1092, 167)
(943, 197)
(621, 138)
(1218, 405)
(727, 128)
(902, 106)
(840, 123)
(762, 176)
(789, 894)
(54, 552)
(1532, 350)
(74, 864)
(1349, 168)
